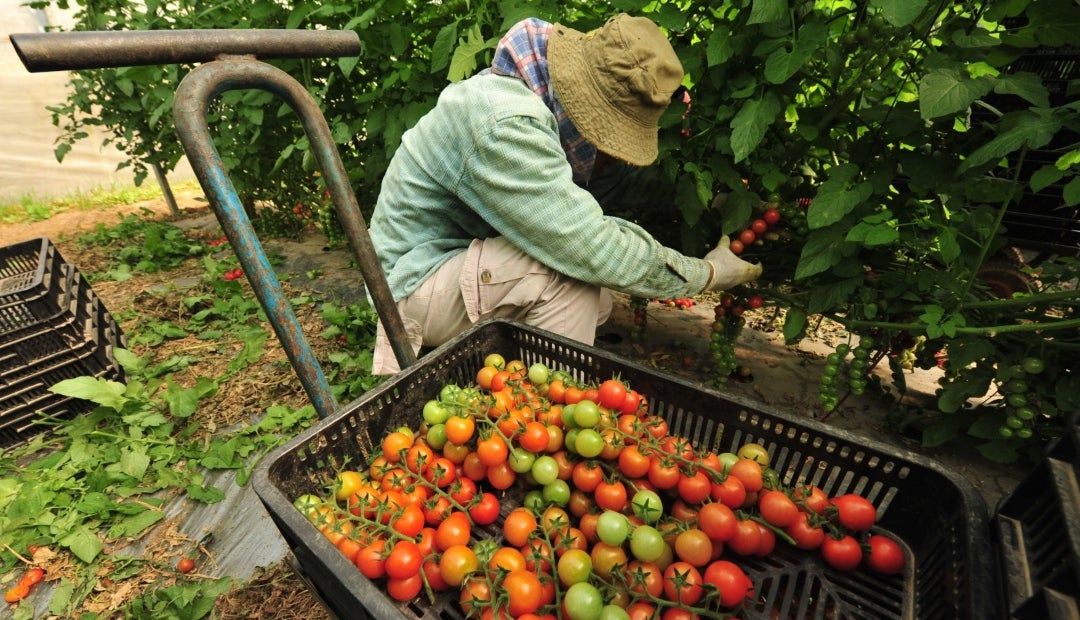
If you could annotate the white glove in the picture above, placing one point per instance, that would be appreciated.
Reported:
(728, 270)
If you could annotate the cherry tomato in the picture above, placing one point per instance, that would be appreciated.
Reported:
(771, 216)
(519, 526)
(811, 499)
(454, 530)
(736, 246)
(843, 553)
(747, 537)
(371, 561)
(749, 472)
(717, 520)
(632, 463)
(404, 560)
(730, 581)
(405, 588)
(486, 510)
(645, 578)
(885, 556)
(524, 590)
(457, 562)
(682, 583)
(777, 508)
(806, 535)
(611, 495)
(748, 237)
(855, 512)
(186, 565)
(612, 394)
(694, 547)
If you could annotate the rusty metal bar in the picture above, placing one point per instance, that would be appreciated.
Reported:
(190, 106)
(71, 51)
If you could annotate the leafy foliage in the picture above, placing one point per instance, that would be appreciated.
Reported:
(895, 135)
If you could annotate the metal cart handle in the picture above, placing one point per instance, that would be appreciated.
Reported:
(65, 51)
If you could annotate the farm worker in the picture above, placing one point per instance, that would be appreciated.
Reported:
(485, 210)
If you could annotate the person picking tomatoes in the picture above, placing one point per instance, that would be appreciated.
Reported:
(485, 210)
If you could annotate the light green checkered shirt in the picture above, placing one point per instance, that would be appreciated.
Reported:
(487, 162)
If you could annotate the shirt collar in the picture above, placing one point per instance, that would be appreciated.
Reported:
(522, 53)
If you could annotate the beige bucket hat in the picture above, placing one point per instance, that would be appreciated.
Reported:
(614, 83)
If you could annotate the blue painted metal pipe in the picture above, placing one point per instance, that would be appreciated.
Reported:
(192, 100)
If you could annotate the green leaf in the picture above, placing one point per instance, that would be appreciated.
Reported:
(837, 197)
(346, 64)
(443, 46)
(62, 593)
(944, 429)
(1045, 177)
(134, 462)
(782, 64)
(83, 543)
(1000, 451)
(1071, 192)
(1023, 84)
(96, 390)
(767, 11)
(464, 63)
(135, 524)
(1028, 128)
(794, 324)
(206, 495)
(881, 233)
(947, 91)
(819, 254)
(718, 49)
(900, 12)
(131, 363)
(750, 122)
(948, 245)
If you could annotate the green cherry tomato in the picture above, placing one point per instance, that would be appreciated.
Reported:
(539, 374)
(647, 543)
(612, 527)
(436, 436)
(435, 412)
(557, 492)
(589, 442)
(545, 470)
(586, 414)
(521, 460)
(754, 452)
(647, 506)
(1033, 365)
(495, 361)
(727, 459)
(583, 601)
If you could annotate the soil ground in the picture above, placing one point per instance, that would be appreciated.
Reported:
(784, 377)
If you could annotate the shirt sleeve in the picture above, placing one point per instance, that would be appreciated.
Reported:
(517, 178)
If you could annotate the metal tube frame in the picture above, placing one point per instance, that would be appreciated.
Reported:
(192, 101)
(230, 64)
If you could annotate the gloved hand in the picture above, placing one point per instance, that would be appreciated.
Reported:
(729, 270)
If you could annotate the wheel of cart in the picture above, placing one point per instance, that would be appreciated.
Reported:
(941, 522)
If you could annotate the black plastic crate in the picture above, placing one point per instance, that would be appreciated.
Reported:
(35, 286)
(1038, 526)
(1041, 220)
(938, 517)
(52, 327)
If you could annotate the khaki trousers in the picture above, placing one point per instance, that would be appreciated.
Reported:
(494, 279)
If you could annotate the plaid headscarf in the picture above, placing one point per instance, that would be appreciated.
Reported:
(522, 53)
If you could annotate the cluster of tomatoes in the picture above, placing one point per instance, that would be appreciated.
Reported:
(611, 515)
(758, 231)
(21, 590)
(726, 326)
